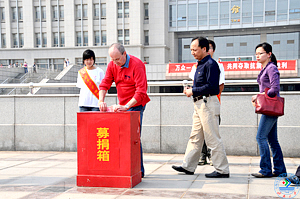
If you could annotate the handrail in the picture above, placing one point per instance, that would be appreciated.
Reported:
(6, 80)
(159, 83)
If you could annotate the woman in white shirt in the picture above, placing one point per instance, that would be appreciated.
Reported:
(88, 80)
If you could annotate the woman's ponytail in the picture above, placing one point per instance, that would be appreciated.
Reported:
(273, 59)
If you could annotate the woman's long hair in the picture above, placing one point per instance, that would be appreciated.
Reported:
(268, 48)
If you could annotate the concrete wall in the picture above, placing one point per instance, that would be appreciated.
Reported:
(48, 123)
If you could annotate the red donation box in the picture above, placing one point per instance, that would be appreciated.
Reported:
(108, 149)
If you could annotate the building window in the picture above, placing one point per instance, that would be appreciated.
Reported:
(282, 10)
(181, 15)
(258, 11)
(120, 10)
(213, 14)
(43, 13)
(61, 13)
(15, 40)
(276, 42)
(3, 43)
(224, 13)
(96, 11)
(2, 14)
(146, 60)
(85, 38)
(146, 33)
(270, 10)
(21, 40)
(44, 36)
(55, 39)
(192, 14)
(202, 14)
(14, 13)
(101, 61)
(127, 39)
(55, 13)
(294, 9)
(81, 12)
(103, 37)
(97, 38)
(146, 11)
(78, 12)
(126, 9)
(40, 43)
(84, 11)
(20, 12)
(58, 64)
(38, 40)
(42, 63)
(79, 61)
(37, 13)
(247, 11)
(120, 36)
(62, 39)
(103, 10)
(172, 16)
(78, 39)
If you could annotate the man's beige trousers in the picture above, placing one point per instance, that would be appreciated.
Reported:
(206, 126)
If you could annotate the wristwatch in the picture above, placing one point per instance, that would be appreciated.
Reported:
(126, 106)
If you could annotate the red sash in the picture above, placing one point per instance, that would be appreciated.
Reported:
(219, 97)
(89, 82)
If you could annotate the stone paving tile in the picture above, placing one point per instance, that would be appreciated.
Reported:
(214, 196)
(156, 193)
(23, 188)
(39, 195)
(46, 175)
(97, 190)
(13, 195)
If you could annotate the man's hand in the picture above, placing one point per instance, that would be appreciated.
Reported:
(188, 92)
(118, 108)
(102, 106)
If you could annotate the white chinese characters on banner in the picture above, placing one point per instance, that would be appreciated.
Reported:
(180, 68)
(243, 65)
(282, 65)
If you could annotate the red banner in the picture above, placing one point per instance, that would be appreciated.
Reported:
(180, 67)
(234, 66)
(255, 66)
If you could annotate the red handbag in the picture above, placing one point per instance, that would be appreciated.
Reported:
(271, 106)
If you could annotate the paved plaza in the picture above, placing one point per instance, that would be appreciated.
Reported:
(42, 175)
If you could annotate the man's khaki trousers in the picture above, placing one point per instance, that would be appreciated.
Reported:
(206, 126)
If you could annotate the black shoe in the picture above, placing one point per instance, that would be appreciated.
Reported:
(180, 169)
(281, 174)
(143, 175)
(294, 180)
(259, 175)
(216, 174)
